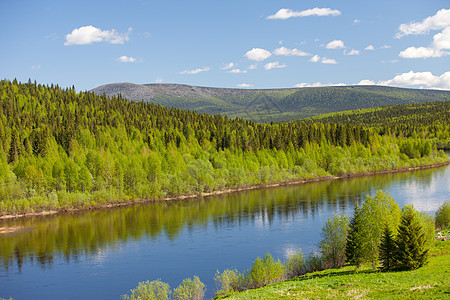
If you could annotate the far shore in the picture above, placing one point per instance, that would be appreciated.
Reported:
(218, 192)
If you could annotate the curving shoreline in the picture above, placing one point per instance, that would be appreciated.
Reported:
(223, 191)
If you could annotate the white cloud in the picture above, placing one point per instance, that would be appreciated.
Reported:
(258, 54)
(426, 79)
(385, 47)
(286, 13)
(441, 41)
(289, 52)
(366, 82)
(370, 48)
(147, 35)
(36, 67)
(274, 65)
(317, 84)
(244, 85)
(354, 52)
(228, 66)
(316, 58)
(237, 71)
(196, 71)
(336, 44)
(159, 80)
(330, 61)
(356, 21)
(126, 59)
(439, 21)
(253, 67)
(90, 34)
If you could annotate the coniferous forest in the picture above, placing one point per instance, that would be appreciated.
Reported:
(61, 149)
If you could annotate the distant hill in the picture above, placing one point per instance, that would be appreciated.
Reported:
(265, 105)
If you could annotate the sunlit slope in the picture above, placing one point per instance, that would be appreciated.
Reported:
(267, 105)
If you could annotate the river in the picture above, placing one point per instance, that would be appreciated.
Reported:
(102, 254)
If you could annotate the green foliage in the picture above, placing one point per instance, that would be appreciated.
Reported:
(387, 250)
(227, 281)
(154, 290)
(334, 237)
(442, 218)
(353, 246)
(108, 149)
(411, 244)
(295, 264)
(265, 271)
(190, 289)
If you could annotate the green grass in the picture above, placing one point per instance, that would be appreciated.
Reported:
(429, 282)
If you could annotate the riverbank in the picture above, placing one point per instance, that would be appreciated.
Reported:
(429, 282)
(121, 203)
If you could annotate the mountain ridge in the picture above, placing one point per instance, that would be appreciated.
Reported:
(265, 105)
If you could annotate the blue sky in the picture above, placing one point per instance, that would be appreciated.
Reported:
(253, 44)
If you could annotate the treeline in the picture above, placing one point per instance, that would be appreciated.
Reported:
(63, 149)
(425, 120)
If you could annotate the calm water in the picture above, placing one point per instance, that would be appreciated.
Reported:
(103, 254)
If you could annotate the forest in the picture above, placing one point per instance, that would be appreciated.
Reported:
(62, 150)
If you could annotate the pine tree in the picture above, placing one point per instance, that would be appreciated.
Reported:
(354, 243)
(387, 250)
(412, 251)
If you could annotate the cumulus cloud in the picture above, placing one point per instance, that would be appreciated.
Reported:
(353, 52)
(258, 54)
(316, 58)
(126, 59)
(366, 82)
(289, 52)
(90, 34)
(237, 71)
(228, 66)
(423, 79)
(370, 48)
(244, 85)
(286, 13)
(356, 21)
(441, 42)
(36, 67)
(196, 71)
(317, 84)
(336, 44)
(159, 80)
(253, 67)
(274, 65)
(439, 21)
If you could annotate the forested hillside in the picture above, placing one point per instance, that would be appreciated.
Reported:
(430, 120)
(265, 105)
(63, 149)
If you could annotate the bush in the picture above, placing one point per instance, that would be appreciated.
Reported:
(155, 290)
(313, 263)
(190, 290)
(442, 219)
(265, 271)
(228, 281)
(295, 265)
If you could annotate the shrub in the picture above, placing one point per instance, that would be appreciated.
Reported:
(313, 263)
(190, 290)
(295, 265)
(265, 271)
(155, 290)
(442, 219)
(228, 281)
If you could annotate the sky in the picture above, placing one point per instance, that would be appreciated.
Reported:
(234, 44)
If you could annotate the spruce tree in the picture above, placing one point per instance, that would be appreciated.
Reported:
(354, 243)
(411, 247)
(387, 250)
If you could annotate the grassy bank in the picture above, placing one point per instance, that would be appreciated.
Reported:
(429, 282)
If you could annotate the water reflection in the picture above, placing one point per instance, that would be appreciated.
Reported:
(76, 236)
